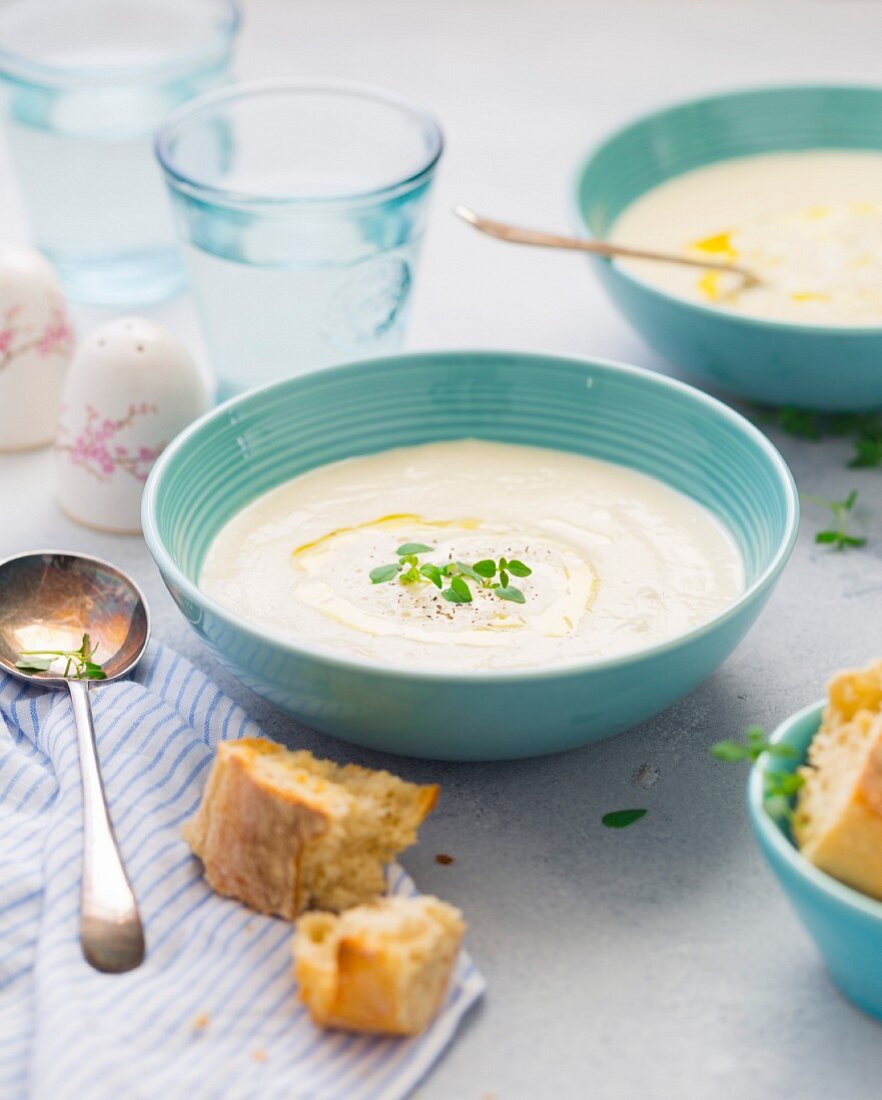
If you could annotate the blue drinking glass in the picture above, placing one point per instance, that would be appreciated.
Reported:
(87, 83)
(301, 207)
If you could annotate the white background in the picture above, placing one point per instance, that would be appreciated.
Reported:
(662, 961)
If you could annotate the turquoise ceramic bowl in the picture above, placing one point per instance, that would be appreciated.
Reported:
(622, 414)
(846, 925)
(777, 363)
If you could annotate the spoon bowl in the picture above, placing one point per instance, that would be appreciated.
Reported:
(54, 602)
(50, 600)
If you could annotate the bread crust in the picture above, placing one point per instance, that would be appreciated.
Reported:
(850, 849)
(844, 835)
(251, 842)
(356, 977)
(282, 831)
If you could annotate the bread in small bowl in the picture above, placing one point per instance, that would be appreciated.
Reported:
(837, 823)
(381, 968)
(283, 832)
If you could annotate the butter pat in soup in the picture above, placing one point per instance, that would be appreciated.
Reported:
(808, 224)
(600, 560)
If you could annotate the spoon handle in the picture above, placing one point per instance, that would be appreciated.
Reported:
(110, 928)
(518, 235)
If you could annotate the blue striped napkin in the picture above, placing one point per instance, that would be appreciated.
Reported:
(213, 1011)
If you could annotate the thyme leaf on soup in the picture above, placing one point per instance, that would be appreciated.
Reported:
(488, 574)
(509, 592)
(77, 662)
(413, 548)
(458, 592)
(434, 574)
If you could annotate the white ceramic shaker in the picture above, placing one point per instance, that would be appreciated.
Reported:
(36, 343)
(131, 387)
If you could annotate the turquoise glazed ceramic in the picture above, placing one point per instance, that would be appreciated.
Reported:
(773, 362)
(846, 925)
(622, 414)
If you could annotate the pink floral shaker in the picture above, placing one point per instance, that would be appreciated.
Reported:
(36, 343)
(131, 387)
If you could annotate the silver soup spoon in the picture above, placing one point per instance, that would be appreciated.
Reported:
(518, 235)
(58, 602)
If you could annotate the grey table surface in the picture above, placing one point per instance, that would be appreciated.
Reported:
(662, 961)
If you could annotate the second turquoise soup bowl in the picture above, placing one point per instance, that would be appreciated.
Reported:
(778, 363)
(621, 414)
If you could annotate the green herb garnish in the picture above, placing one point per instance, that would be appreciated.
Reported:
(757, 743)
(80, 660)
(413, 548)
(801, 423)
(458, 592)
(434, 574)
(838, 536)
(864, 428)
(385, 573)
(408, 566)
(492, 575)
(621, 819)
(867, 453)
(779, 787)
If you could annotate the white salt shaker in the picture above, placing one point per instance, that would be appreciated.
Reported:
(36, 344)
(131, 387)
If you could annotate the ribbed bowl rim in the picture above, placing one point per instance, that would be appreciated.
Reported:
(315, 653)
(771, 325)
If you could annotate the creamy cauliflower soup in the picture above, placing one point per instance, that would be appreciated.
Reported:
(809, 225)
(474, 555)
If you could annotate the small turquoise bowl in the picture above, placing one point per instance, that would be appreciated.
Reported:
(625, 415)
(773, 362)
(845, 924)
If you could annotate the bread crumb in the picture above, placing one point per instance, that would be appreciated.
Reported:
(284, 831)
(646, 776)
(444, 859)
(200, 1022)
(259, 1055)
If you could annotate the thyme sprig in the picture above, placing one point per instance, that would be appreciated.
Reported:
(80, 660)
(778, 787)
(493, 575)
(837, 536)
(864, 429)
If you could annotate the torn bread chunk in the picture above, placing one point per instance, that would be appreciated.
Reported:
(381, 968)
(283, 831)
(838, 819)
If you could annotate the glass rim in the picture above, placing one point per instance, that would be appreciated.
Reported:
(226, 196)
(28, 67)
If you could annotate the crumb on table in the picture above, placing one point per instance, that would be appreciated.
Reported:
(646, 776)
(259, 1055)
(200, 1022)
(443, 859)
